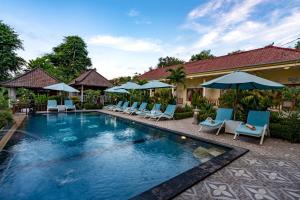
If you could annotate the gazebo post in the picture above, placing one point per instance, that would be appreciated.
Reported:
(11, 96)
(81, 94)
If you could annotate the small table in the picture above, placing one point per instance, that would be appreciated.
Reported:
(61, 108)
(231, 125)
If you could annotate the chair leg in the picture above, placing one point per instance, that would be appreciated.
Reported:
(262, 137)
(220, 128)
(235, 135)
(200, 128)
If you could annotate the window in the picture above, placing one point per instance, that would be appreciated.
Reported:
(191, 91)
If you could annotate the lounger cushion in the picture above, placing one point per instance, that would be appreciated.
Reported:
(243, 129)
(209, 124)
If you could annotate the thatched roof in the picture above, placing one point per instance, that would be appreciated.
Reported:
(91, 78)
(34, 79)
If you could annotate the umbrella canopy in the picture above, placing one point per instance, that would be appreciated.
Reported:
(155, 84)
(116, 90)
(61, 87)
(130, 86)
(242, 81)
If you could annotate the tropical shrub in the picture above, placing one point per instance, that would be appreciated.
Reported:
(5, 117)
(3, 100)
(285, 127)
(183, 112)
(248, 100)
(40, 99)
(76, 102)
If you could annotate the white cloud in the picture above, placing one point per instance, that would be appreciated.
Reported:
(126, 43)
(133, 13)
(239, 12)
(205, 9)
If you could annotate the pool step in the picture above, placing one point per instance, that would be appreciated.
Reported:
(204, 154)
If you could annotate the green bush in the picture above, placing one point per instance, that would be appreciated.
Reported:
(183, 115)
(285, 127)
(40, 99)
(5, 118)
(76, 102)
(89, 106)
(3, 100)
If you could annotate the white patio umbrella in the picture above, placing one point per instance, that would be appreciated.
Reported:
(61, 87)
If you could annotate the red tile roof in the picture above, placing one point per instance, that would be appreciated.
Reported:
(266, 55)
(34, 79)
(91, 78)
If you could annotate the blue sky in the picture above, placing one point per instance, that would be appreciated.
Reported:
(128, 36)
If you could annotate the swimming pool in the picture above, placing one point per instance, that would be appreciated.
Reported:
(96, 156)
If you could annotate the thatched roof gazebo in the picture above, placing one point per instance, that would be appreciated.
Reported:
(90, 79)
(34, 79)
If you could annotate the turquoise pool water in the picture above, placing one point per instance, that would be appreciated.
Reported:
(94, 156)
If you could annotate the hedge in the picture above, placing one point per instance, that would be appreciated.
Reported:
(183, 115)
(89, 106)
(288, 130)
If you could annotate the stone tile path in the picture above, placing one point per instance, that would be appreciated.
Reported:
(270, 171)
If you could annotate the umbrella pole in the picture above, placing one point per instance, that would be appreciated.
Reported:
(235, 102)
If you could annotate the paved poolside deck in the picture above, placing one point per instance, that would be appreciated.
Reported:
(270, 171)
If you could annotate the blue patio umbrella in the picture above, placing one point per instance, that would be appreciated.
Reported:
(155, 84)
(130, 86)
(116, 90)
(61, 87)
(241, 81)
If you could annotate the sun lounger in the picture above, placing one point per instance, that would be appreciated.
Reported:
(141, 108)
(118, 105)
(122, 108)
(155, 108)
(223, 114)
(257, 125)
(133, 107)
(52, 105)
(69, 105)
(168, 114)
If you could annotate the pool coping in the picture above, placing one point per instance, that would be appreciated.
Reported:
(178, 184)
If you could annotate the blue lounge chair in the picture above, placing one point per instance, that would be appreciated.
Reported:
(155, 108)
(223, 114)
(168, 114)
(133, 107)
(111, 107)
(122, 108)
(260, 122)
(142, 108)
(69, 105)
(52, 105)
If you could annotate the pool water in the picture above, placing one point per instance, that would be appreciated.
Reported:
(94, 156)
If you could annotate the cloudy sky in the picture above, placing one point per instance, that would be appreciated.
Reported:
(128, 36)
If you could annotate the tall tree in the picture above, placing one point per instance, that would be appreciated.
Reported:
(297, 46)
(177, 76)
(168, 61)
(71, 57)
(45, 63)
(67, 61)
(203, 55)
(10, 62)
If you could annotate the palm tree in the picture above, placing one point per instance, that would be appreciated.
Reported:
(177, 76)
